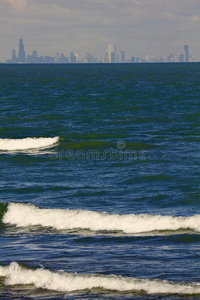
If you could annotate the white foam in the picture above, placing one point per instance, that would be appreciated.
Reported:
(26, 143)
(23, 215)
(68, 282)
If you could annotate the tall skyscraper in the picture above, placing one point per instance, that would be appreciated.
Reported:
(106, 57)
(123, 56)
(111, 49)
(117, 58)
(72, 58)
(186, 49)
(112, 57)
(21, 53)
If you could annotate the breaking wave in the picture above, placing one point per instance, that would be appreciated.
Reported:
(69, 282)
(24, 215)
(27, 143)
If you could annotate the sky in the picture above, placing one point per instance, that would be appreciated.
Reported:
(140, 27)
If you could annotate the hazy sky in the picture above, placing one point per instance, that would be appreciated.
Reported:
(140, 27)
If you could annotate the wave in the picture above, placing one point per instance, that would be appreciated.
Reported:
(26, 143)
(24, 215)
(70, 282)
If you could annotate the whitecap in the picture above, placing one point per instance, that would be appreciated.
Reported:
(24, 215)
(69, 282)
(27, 143)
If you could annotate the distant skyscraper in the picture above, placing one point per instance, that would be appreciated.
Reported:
(170, 57)
(123, 57)
(57, 58)
(111, 49)
(63, 59)
(181, 58)
(72, 58)
(186, 49)
(106, 57)
(117, 58)
(133, 59)
(112, 57)
(89, 58)
(14, 56)
(21, 53)
(34, 54)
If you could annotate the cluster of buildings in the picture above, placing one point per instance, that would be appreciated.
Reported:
(111, 56)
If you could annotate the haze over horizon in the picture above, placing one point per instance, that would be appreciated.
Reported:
(140, 27)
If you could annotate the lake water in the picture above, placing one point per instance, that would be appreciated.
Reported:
(99, 185)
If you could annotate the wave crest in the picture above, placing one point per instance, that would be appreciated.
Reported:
(27, 143)
(24, 215)
(68, 282)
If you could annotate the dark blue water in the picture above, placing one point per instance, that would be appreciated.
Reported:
(128, 145)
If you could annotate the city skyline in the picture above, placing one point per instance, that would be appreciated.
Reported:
(111, 55)
(141, 28)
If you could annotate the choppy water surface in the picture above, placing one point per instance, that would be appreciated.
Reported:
(99, 181)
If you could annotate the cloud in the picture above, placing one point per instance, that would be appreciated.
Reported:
(14, 5)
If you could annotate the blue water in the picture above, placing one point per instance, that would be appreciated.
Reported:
(128, 145)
